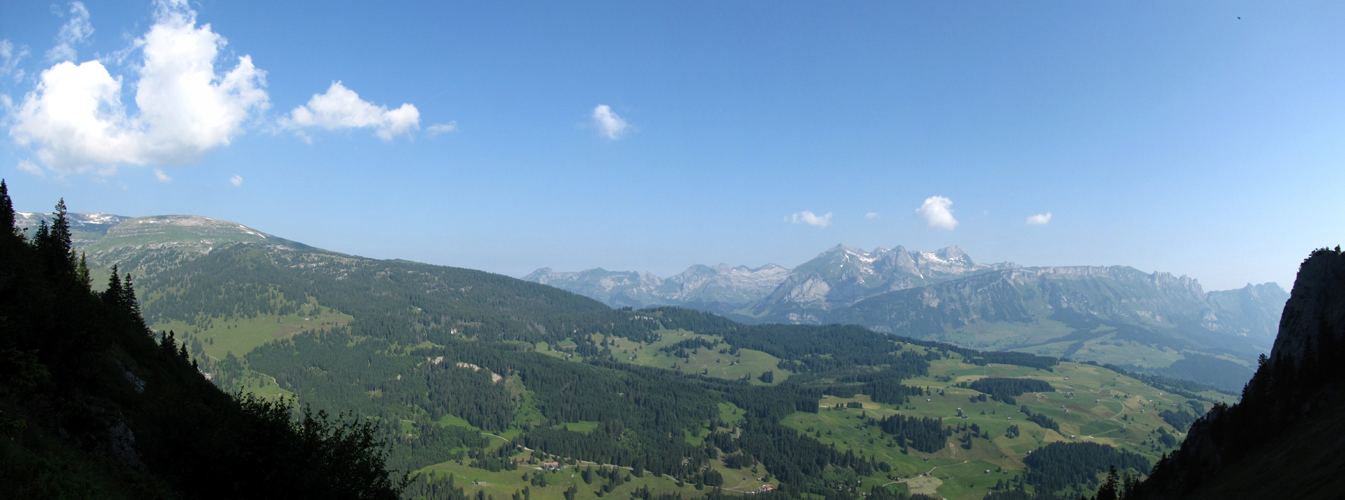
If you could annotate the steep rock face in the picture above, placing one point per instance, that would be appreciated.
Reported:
(1287, 433)
(1315, 308)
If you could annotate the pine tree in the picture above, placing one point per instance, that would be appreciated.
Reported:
(113, 295)
(82, 272)
(53, 243)
(1110, 489)
(128, 300)
(7, 228)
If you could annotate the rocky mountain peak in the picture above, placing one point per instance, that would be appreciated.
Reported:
(951, 253)
(1316, 306)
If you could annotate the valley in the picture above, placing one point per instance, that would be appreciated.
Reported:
(485, 379)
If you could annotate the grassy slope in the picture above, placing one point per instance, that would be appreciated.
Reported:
(240, 335)
(709, 362)
(503, 484)
(1106, 408)
(703, 361)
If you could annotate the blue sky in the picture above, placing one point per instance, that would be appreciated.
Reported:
(505, 136)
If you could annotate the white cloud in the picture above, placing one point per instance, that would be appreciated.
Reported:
(341, 107)
(1039, 219)
(442, 128)
(78, 123)
(871, 215)
(162, 177)
(936, 213)
(74, 32)
(236, 180)
(609, 124)
(809, 218)
(30, 167)
(10, 57)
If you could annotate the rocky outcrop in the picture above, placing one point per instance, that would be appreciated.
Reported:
(1287, 432)
(1315, 308)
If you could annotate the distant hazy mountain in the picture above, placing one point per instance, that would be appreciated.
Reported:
(1152, 322)
(717, 288)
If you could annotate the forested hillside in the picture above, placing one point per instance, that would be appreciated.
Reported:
(94, 405)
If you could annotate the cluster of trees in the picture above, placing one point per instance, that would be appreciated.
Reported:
(428, 443)
(1004, 389)
(1062, 466)
(1037, 418)
(892, 391)
(93, 404)
(924, 434)
(1179, 418)
(432, 486)
(680, 349)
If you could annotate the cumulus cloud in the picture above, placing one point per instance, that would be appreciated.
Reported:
(871, 215)
(936, 212)
(442, 128)
(609, 124)
(1039, 219)
(75, 31)
(809, 218)
(77, 121)
(341, 107)
(236, 180)
(162, 177)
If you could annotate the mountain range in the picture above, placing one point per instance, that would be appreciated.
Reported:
(1153, 322)
(1144, 322)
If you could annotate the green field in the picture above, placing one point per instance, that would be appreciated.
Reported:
(222, 338)
(713, 362)
(504, 484)
(1090, 404)
(242, 335)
